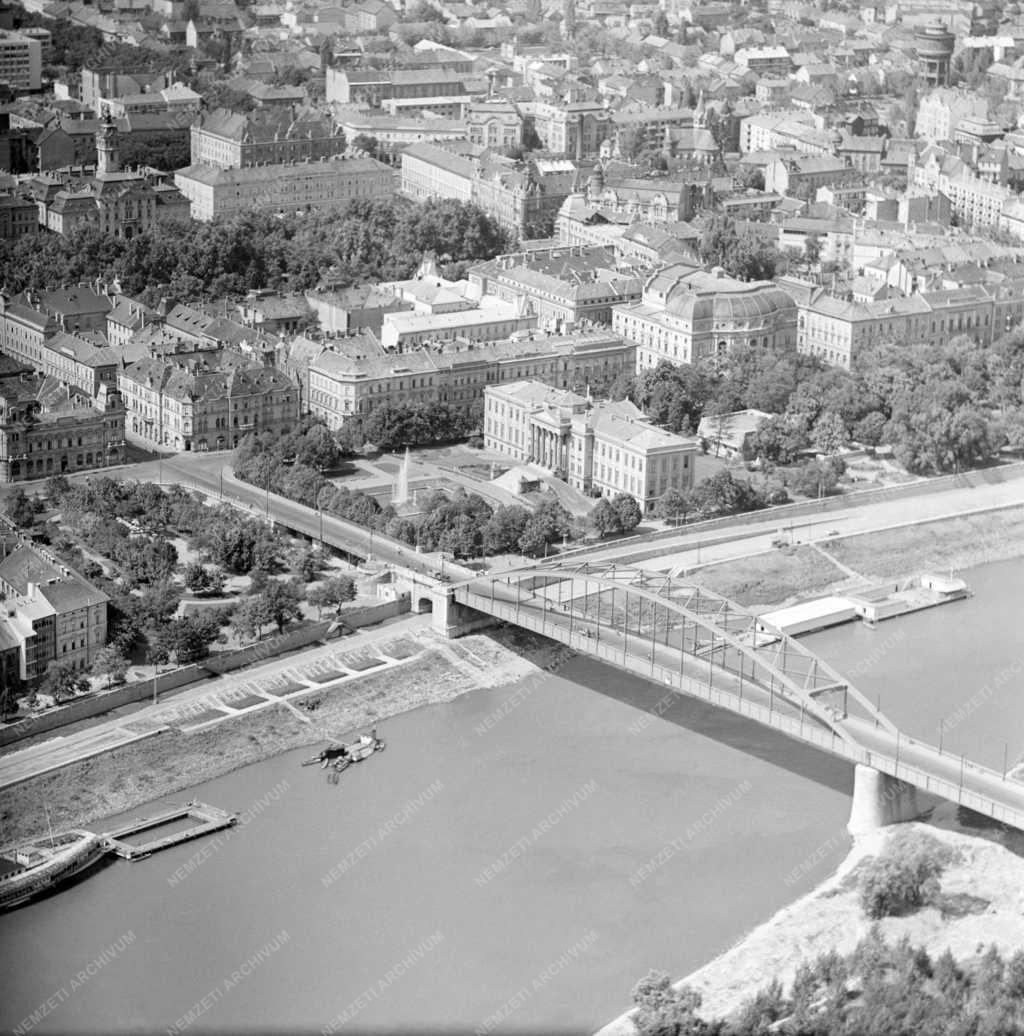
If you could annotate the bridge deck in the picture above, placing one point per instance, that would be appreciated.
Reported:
(860, 739)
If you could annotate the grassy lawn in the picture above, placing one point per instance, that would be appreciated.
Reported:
(770, 578)
(953, 543)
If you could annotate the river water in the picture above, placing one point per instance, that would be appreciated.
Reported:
(527, 852)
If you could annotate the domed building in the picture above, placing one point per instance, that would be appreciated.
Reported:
(687, 315)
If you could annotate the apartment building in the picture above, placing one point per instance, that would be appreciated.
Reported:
(48, 429)
(771, 62)
(442, 91)
(940, 111)
(21, 60)
(79, 363)
(522, 196)
(228, 139)
(972, 199)
(190, 402)
(429, 171)
(394, 133)
(491, 321)
(349, 377)
(54, 613)
(575, 128)
(564, 286)
(305, 187)
(836, 330)
(24, 328)
(686, 315)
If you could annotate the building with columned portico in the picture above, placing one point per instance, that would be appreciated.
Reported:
(602, 449)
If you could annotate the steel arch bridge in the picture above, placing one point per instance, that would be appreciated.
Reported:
(649, 613)
(701, 644)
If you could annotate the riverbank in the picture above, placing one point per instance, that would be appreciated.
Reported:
(981, 904)
(108, 784)
(790, 574)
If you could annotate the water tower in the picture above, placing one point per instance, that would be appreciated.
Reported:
(934, 44)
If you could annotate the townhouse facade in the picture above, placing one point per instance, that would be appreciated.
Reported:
(186, 403)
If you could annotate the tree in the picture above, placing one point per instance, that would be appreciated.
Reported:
(155, 605)
(605, 518)
(196, 578)
(364, 142)
(282, 602)
(332, 593)
(870, 428)
(816, 478)
(812, 248)
(250, 617)
(780, 438)
(722, 494)
(22, 509)
(110, 662)
(62, 681)
(745, 256)
(55, 488)
(628, 511)
(674, 505)
(662, 1010)
(304, 564)
(904, 876)
(189, 637)
(504, 528)
(533, 541)
(829, 433)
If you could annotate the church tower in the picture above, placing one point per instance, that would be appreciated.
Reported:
(108, 148)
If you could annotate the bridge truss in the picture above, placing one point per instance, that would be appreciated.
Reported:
(652, 614)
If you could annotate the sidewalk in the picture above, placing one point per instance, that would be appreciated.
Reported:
(281, 681)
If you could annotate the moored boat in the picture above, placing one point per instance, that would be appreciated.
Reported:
(341, 757)
(41, 866)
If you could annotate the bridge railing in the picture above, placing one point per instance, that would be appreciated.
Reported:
(801, 729)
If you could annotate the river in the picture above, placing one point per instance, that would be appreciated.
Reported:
(527, 853)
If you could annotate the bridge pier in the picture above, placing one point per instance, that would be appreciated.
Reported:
(879, 800)
(452, 619)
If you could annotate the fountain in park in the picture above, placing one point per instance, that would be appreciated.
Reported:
(400, 492)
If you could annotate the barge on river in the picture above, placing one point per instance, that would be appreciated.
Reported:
(41, 866)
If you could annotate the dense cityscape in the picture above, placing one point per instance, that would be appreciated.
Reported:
(643, 381)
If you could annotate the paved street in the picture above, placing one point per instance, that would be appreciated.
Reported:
(755, 536)
(215, 700)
